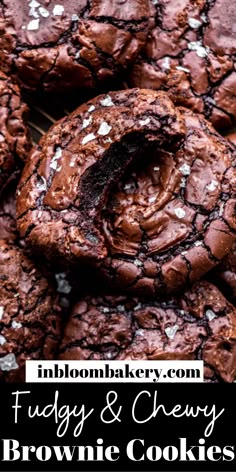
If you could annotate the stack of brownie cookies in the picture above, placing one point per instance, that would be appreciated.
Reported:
(118, 228)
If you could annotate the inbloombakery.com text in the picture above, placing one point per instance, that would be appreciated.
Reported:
(136, 450)
(114, 371)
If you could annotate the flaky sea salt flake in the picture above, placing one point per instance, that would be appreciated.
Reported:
(107, 101)
(33, 25)
(58, 10)
(2, 340)
(212, 185)
(34, 4)
(86, 122)
(8, 362)
(105, 310)
(193, 23)
(138, 307)
(183, 69)
(200, 50)
(152, 199)
(171, 331)
(63, 285)
(91, 108)
(144, 122)
(166, 63)
(180, 213)
(210, 315)
(138, 263)
(1, 312)
(104, 129)
(33, 13)
(16, 325)
(185, 169)
(43, 12)
(88, 138)
(139, 332)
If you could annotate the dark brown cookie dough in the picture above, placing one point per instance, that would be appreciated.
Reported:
(29, 323)
(8, 229)
(191, 52)
(171, 219)
(54, 45)
(14, 137)
(201, 324)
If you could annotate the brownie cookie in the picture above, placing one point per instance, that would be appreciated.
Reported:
(201, 324)
(55, 46)
(171, 219)
(8, 229)
(29, 325)
(14, 137)
(191, 52)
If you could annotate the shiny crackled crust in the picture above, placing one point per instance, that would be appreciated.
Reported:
(191, 53)
(29, 323)
(66, 180)
(167, 222)
(171, 219)
(201, 324)
(14, 136)
(54, 45)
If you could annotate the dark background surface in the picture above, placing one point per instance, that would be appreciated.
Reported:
(161, 431)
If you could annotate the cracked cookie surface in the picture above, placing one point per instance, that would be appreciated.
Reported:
(29, 323)
(200, 324)
(53, 46)
(14, 137)
(191, 53)
(171, 218)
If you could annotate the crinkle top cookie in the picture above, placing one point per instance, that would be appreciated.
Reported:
(142, 189)
(191, 53)
(56, 45)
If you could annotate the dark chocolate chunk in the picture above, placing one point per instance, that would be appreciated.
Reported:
(200, 324)
(29, 321)
(56, 46)
(191, 54)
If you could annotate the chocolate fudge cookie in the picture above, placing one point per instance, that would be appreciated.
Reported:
(191, 53)
(201, 324)
(172, 217)
(14, 137)
(8, 229)
(29, 325)
(54, 45)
